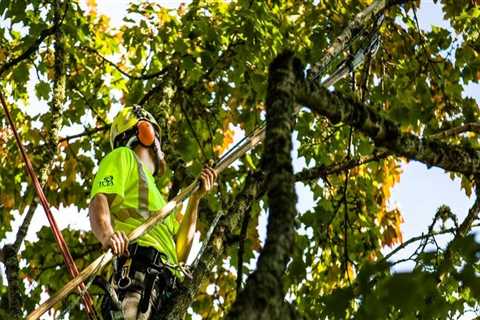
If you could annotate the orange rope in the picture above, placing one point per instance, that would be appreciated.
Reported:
(72, 268)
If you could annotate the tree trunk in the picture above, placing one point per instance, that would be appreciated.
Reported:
(264, 295)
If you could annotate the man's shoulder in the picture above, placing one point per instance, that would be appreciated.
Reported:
(112, 172)
(119, 153)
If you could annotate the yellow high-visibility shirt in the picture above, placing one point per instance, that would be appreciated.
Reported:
(119, 174)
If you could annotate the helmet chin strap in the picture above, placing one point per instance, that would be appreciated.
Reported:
(159, 158)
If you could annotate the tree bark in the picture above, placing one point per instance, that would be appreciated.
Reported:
(264, 295)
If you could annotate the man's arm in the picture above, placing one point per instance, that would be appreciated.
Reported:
(188, 225)
(99, 212)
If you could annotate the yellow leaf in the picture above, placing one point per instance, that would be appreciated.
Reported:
(163, 16)
(391, 223)
(228, 135)
(92, 7)
(119, 36)
(7, 200)
(103, 24)
(350, 272)
(3, 54)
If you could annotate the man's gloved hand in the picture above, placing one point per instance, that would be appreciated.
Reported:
(118, 242)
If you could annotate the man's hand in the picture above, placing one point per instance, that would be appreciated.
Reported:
(208, 176)
(118, 242)
(188, 225)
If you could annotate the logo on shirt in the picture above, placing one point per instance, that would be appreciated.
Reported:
(106, 182)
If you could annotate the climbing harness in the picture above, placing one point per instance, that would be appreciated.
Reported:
(72, 268)
(247, 143)
(143, 272)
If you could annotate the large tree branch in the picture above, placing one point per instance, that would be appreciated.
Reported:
(12, 268)
(241, 250)
(467, 127)
(22, 231)
(264, 295)
(385, 133)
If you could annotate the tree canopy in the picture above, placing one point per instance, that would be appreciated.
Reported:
(205, 70)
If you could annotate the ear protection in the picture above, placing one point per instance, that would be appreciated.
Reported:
(145, 133)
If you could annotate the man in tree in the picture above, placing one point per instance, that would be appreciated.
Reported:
(123, 195)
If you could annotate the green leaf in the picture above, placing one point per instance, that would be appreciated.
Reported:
(42, 90)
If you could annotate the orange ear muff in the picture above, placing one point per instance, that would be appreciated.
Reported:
(146, 133)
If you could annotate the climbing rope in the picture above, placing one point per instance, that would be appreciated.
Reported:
(72, 268)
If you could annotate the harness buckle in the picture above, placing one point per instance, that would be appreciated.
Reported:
(125, 280)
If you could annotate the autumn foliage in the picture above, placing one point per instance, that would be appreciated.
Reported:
(202, 70)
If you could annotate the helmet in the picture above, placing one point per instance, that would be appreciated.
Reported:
(133, 122)
(133, 125)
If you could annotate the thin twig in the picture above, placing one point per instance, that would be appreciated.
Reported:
(323, 171)
(194, 133)
(128, 75)
(87, 132)
(468, 127)
(421, 237)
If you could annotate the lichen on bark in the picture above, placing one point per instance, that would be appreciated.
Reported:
(264, 295)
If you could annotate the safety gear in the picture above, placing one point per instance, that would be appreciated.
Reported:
(134, 125)
(122, 173)
(150, 283)
(127, 119)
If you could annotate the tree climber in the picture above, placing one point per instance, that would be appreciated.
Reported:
(123, 195)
